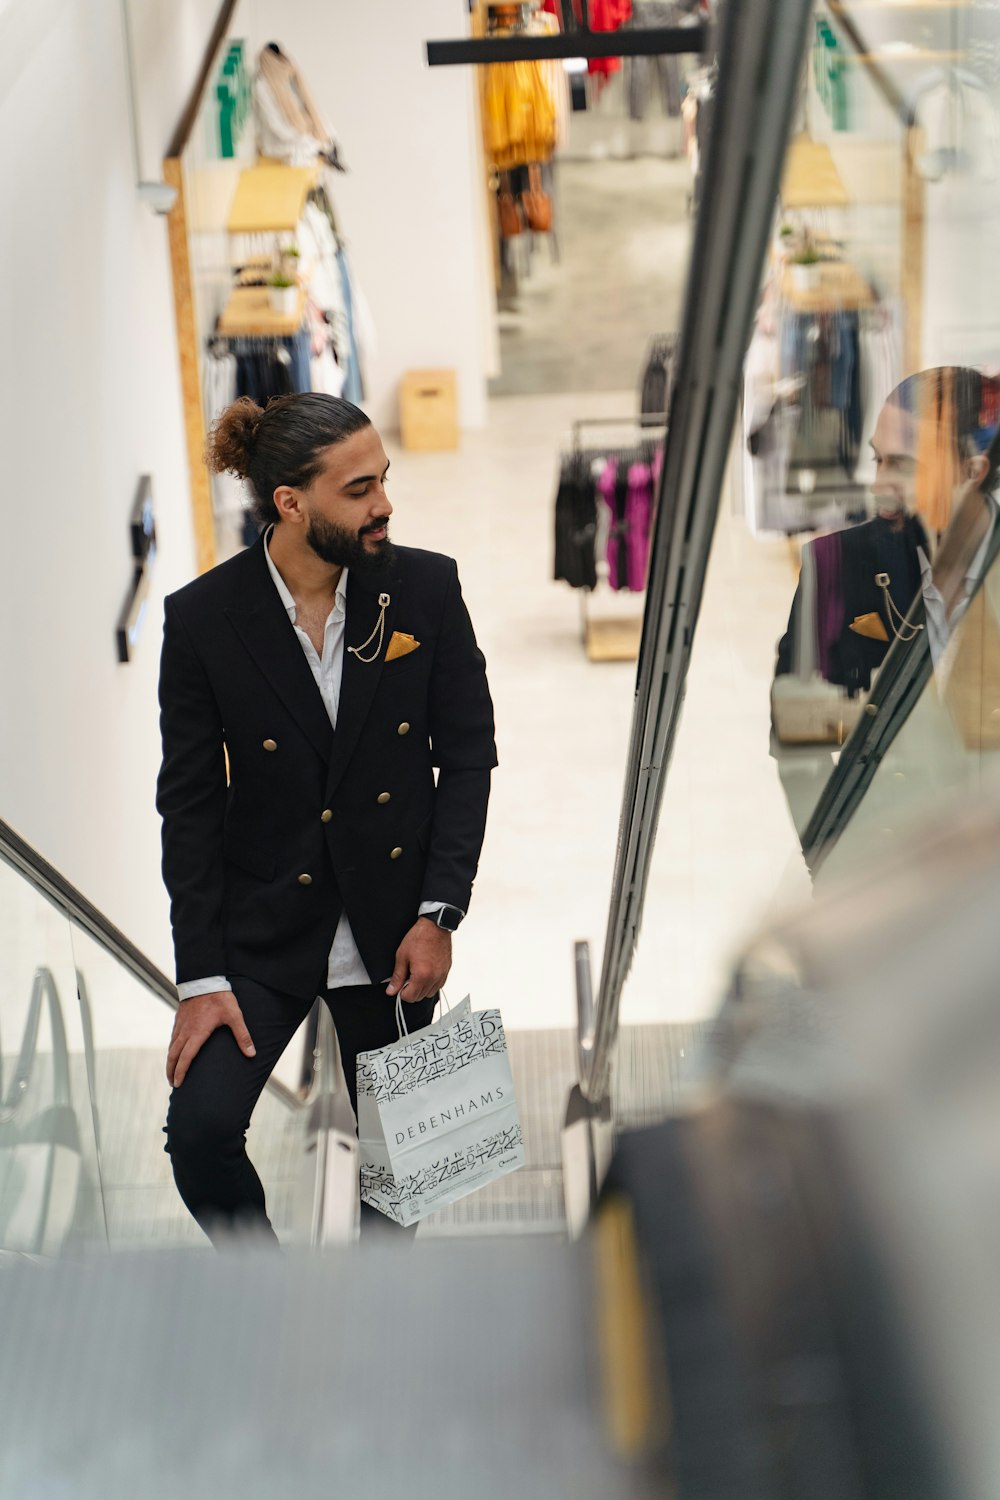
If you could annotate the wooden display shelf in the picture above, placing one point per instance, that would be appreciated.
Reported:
(248, 314)
(269, 199)
(842, 288)
(811, 179)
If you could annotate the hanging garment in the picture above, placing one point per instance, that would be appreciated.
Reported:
(638, 524)
(298, 346)
(555, 78)
(663, 73)
(263, 369)
(879, 372)
(605, 15)
(576, 524)
(657, 377)
(218, 386)
(289, 125)
(608, 490)
(519, 115)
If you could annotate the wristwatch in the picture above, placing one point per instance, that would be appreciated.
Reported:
(448, 917)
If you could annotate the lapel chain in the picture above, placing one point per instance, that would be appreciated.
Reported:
(383, 601)
(883, 580)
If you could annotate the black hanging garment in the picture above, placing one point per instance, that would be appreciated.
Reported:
(576, 524)
(657, 377)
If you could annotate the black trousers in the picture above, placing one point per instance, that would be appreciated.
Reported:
(209, 1114)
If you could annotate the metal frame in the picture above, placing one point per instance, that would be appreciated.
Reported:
(656, 41)
(761, 47)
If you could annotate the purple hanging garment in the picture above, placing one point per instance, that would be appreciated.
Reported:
(831, 615)
(606, 487)
(639, 520)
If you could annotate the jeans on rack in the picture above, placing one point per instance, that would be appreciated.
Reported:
(299, 353)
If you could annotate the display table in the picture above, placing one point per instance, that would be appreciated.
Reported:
(841, 288)
(248, 314)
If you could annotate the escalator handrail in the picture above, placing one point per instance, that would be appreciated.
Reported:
(50, 883)
(761, 47)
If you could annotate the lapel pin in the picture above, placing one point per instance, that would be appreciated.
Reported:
(383, 604)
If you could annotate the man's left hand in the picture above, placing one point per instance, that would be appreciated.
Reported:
(423, 962)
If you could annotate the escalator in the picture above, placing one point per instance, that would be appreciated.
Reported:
(84, 1021)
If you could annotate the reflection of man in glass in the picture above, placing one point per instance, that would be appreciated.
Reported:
(858, 584)
(905, 576)
(934, 711)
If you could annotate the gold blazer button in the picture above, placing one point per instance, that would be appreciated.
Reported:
(395, 853)
(305, 880)
(325, 815)
(404, 728)
(270, 744)
(383, 798)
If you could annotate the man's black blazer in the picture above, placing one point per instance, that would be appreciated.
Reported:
(874, 547)
(260, 861)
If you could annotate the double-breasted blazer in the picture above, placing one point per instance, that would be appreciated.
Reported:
(274, 823)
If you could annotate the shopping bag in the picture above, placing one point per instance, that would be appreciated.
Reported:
(437, 1116)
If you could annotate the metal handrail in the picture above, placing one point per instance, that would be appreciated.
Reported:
(56, 888)
(331, 1213)
(43, 987)
(761, 47)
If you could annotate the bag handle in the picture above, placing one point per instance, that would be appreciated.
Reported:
(401, 1026)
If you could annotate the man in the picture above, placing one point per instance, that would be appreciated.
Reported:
(308, 689)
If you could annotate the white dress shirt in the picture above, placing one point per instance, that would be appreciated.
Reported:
(345, 965)
(941, 628)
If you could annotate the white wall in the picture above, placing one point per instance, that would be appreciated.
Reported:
(409, 204)
(89, 400)
(168, 43)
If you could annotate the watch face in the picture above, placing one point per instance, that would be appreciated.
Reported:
(449, 918)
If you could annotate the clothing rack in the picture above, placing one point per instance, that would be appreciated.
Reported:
(644, 421)
(614, 635)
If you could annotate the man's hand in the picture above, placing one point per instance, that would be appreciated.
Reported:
(194, 1023)
(423, 961)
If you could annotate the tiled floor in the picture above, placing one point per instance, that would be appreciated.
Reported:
(583, 323)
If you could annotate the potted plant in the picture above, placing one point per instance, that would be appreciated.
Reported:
(290, 261)
(283, 293)
(805, 269)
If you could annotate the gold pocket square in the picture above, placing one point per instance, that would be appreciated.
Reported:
(870, 625)
(400, 645)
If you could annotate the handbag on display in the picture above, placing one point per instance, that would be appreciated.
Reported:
(437, 1116)
(510, 218)
(536, 203)
(40, 1150)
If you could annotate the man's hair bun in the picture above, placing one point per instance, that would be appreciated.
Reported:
(230, 445)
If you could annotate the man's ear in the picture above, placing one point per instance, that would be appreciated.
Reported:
(976, 468)
(288, 504)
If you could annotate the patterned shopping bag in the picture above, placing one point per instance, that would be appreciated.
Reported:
(437, 1116)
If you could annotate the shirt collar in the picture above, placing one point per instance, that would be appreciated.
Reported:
(974, 571)
(283, 589)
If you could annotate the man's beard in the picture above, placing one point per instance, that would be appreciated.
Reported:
(343, 548)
